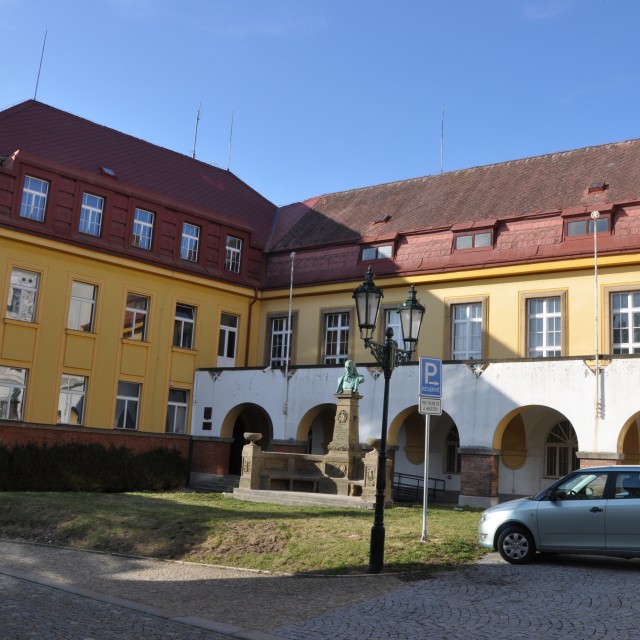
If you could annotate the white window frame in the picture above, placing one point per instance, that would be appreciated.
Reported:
(548, 323)
(280, 341)
(190, 242)
(82, 307)
(133, 315)
(233, 255)
(561, 447)
(73, 390)
(22, 300)
(228, 339)
(467, 329)
(142, 228)
(34, 198)
(177, 411)
(13, 390)
(125, 400)
(184, 328)
(630, 314)
(336, 337)
(91, 214)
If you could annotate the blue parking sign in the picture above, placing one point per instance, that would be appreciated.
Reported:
(430, 378)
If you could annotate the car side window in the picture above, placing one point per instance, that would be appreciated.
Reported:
(627, 485)
(584, 486)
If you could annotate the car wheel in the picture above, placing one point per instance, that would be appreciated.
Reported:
(516, 545)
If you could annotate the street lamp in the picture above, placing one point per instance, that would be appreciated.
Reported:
(388, 355)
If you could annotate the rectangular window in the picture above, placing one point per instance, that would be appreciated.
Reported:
(177, 411)
(13, 386)
(466, 331)
(233, 255)
(625, 322)
(34, 198)
(544, 327)
(71, 400)
(91, 214)
(81, 307)
(280, 349)
(474, 240)
(142, 229)
(135, 317)
(227, 340)
(377, 253)
(189, 243)
(585, 227)
(336, 337)
(184, 326)
(127, 406)
(23, 295)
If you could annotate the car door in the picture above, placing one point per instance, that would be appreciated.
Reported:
(623, 513)
(572, 517)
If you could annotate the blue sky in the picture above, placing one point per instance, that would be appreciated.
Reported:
(330, 95)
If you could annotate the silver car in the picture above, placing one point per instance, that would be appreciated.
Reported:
(592, 511)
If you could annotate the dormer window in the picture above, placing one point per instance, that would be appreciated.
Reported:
(381, 252)
(476, 240)
(584, 226)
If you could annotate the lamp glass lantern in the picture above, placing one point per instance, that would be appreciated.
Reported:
(368, 298)
(411, 313)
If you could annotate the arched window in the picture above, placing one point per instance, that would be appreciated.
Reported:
(451, 454)
(561, 449)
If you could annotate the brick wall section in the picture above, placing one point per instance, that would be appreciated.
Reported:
(479, 475)
(288, 446)
(207, 456)
(211, 455)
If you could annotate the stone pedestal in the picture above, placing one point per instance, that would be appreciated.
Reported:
(251, 462)
(343, 461)
(371, 461)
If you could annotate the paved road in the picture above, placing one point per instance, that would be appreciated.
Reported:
(59, 594)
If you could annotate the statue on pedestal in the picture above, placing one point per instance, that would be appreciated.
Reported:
(350, 380)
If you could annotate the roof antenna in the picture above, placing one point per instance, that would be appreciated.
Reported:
(35, 93)
(230, 137)
(442, 139)
(195, 135)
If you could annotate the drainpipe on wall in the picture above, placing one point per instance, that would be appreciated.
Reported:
(249, 316)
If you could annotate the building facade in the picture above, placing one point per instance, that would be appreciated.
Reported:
(148, 292)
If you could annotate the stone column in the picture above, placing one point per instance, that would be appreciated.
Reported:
(479, 477)
(599, 459)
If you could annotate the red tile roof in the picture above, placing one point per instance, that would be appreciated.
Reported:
(59, 136)
(500, 191)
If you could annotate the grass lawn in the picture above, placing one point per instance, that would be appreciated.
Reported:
(210, 528)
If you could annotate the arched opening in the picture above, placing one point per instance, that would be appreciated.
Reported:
(316, 428)
(242, 419)
(629, 440)
(407, 437)
(537, 444)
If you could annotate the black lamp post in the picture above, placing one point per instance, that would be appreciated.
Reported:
(388, 355)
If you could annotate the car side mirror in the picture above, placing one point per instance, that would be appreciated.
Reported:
(552, 495)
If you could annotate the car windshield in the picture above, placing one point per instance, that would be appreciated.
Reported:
(580, 486)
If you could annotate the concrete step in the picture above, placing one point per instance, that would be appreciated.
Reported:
(301, 498)
(206, 482)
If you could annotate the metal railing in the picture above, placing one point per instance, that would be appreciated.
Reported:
(409, 488)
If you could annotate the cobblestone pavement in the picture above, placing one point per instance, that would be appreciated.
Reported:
(55, 594)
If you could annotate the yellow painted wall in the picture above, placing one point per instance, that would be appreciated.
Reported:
(48, 349)
(502, 288)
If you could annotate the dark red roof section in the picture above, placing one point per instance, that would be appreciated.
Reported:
(59, 136)
(500, 191)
